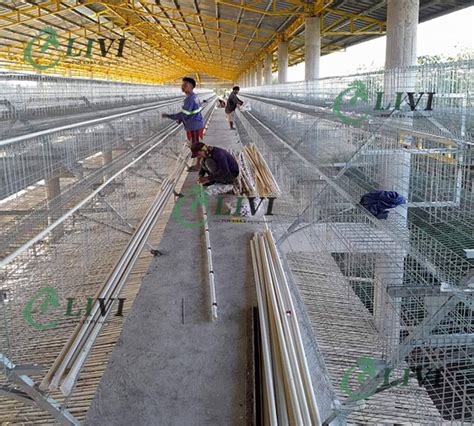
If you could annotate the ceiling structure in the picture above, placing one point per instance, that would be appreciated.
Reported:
(212, 40)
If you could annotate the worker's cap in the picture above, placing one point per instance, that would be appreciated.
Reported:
(190, 80)
(195, 148)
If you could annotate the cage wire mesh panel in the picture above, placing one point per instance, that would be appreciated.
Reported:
(32, 102)
(113, 170)
(395, 293)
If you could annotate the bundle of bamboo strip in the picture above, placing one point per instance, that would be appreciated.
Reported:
(255, 178)
(288, 395)
(265, 184)
(248, 179)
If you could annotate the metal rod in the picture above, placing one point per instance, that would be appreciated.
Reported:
(5, 261)
(81, 124)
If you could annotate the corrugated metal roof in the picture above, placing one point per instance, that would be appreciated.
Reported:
(168, 38)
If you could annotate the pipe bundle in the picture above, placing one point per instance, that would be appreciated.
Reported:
(288, 396)
(66, 368)
(255, 177)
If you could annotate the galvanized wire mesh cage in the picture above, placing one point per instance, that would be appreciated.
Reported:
(398, 291)
(71, 198)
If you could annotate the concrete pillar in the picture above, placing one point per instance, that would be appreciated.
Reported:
(53, 196)
(402, 25)
(268, 68)
(259, 73)
(252, 77)
(283, 62)
(312, 47)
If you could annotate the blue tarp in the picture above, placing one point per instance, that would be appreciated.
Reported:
(378, 202)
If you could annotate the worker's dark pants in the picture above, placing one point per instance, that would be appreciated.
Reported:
(209, 166)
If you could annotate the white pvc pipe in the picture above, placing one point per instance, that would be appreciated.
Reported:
(288, 373)
(267, 361)
(71, 377)
(212, 287)
(288, 336)
(281, 404)
(315, 416)
(84, 337)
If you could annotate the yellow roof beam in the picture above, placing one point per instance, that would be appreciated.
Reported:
(169, 14)
(183, 35)
(113, 64)
(135, 54)
(250, 6)
(154, 38)
(170, 47)
(42, 10)
(178, 54)
(357, 32)
(121, 73)
(349, 19)
(285, 35)
(321, 8)
(317, 7)
(353, 16)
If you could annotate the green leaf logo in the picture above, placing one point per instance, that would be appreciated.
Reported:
(368, 369)
(50, 298)
(360, 93)
(51, 40)
(198, 197)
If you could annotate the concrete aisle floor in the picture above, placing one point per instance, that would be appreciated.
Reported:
(174, 366)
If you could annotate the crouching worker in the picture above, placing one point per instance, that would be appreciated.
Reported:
(217, 165)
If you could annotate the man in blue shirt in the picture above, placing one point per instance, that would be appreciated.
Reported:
(190, 115)
(218, 165)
